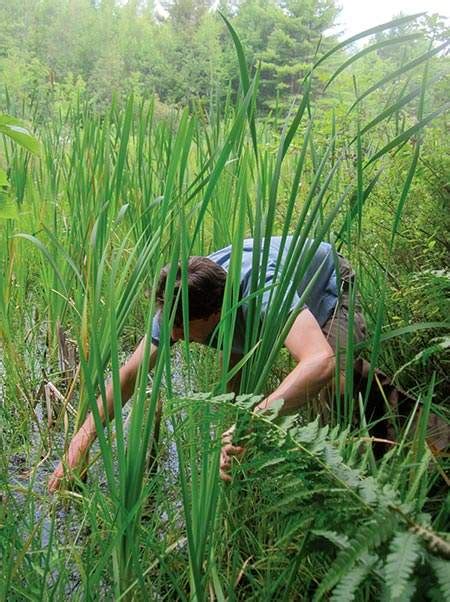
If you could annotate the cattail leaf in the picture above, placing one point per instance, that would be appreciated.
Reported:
(367, 32)
(394, 108)
(8, 206)
(406, 135)
(399, 72)
(388, 42)
(44, 250)
(3, 178)
(245, 80)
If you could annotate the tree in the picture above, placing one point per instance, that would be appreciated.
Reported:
(186, 13)
(284, 36)
(293, 45)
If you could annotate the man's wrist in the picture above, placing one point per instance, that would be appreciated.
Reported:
(83, 438)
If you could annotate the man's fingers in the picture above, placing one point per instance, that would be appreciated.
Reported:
(232, 450)
(227, 436)
(224, 476)
(226, 439)
(227, 453)
(226, 456)
(54, 483)
(55, 480)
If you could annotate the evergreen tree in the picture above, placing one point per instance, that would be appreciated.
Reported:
(186, 13)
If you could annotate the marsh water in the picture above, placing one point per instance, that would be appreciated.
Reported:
(30, 466)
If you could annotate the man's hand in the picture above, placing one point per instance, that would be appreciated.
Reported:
(227, 452)
(87, 433)
(54, 482)
(77, 450)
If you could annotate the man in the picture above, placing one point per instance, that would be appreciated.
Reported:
(320, 326)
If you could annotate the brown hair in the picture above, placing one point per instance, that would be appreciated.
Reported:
(206, 285)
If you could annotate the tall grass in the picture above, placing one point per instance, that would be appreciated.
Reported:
(111, 201)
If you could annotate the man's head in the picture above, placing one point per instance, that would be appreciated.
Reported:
(206, 285)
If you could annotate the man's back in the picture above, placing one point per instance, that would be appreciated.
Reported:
(321, 298)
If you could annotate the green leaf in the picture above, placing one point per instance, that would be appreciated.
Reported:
(368, 537)
(395, 107)
(8, 206)
(248, 400)
(22, 136)
(400, 562)
(398, 73)
(368, 32)
(8, 120)
(269, 462)
(338, 539)
(346, 589)
(406, 135)
(227, 397)
(368, 49)
(3, 178)
(368, 490)
(285, 423)
(398, 332)
(273, 410)
(441, 569)
(245, 80)
(308, 433)
(44, 250)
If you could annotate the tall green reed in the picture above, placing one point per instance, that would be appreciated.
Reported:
(121, 196)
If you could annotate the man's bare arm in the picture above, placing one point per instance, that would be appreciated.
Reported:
(315, 368)
(85, 436)
(315, 365)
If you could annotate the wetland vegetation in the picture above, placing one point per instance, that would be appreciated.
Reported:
(98, 192)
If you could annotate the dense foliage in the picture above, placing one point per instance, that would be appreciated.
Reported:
(115, 189)
(54, 50)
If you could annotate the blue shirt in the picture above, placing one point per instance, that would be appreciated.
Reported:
(320, 300)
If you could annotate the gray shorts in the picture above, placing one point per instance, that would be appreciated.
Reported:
(336, 329)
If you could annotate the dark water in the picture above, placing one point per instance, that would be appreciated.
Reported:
(30, 468)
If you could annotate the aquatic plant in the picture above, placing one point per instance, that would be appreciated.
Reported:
(112, 200)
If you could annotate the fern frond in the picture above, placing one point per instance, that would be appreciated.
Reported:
(264, 462)
(338, 539)
(404, 551)
(320, 441)
(308, 433)
(297, 496)
(346, 588)
(369, 536)
(442, 571)
(368, 489)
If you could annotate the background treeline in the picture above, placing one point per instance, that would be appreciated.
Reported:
(54, 50)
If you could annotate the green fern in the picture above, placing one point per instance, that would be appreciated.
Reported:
(442, 571)
(307, 468)
(339, 540)
(306, 434)
(368, 537)
(346, 588)
(404, 551)
(407, 595)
